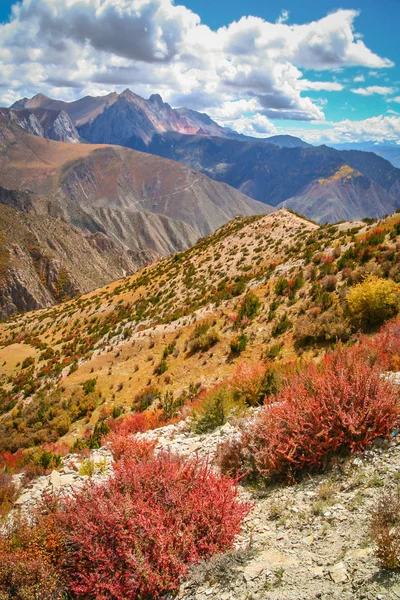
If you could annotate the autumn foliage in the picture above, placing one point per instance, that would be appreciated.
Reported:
(136, 536)
(374, 301)
(385, 529)
(341, 405)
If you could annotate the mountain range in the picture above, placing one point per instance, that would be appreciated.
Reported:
(323, 183)
(388, 149)
(94, 189)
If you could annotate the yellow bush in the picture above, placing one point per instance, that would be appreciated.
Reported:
(374, 300)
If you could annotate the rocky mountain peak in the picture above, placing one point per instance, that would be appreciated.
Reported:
(156, 99)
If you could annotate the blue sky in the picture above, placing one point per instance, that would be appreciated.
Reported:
(323, 70)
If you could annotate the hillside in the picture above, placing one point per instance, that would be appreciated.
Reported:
(118, 335)
(180, 357)
(44, 260)
(127, 209)
(346, 195)
(276, 175)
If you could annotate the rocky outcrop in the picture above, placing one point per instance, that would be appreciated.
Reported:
(54, 125)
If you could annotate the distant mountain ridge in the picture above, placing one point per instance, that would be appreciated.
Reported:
(279, 171)
(129, 120)
(389, 149)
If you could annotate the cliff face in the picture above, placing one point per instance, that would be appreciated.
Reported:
(54, 125)
(43, 260)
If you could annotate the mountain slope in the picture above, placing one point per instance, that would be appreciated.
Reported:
(272, 170)
(43, 260)
(54, 125)
(84, 182)
(277, 175)
(275, 283)
(129, 120)
(126, 119)
(345, 196)
(115, 208)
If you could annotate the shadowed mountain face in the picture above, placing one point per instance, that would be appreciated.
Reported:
(95, 213)
(51, 124)
(294, 176)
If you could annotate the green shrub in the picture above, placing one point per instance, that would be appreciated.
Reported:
(281, 286)
(239, 343)
(100, 430)
(273, 351)
(217, 407)
(249, 306)
(281, 326)
(161, 368)
(27, 362)
(204, 342)
(89, 386)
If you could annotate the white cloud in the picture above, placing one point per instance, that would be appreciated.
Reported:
(70, 48)
(284, 16)
(396, 99)
(373, 89)
(382, 128)
(359, 79)
(329, 86)
(256, 126)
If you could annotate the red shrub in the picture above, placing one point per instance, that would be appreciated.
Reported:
(343, 405)
(127, 446)
(135, 536)
(11, 462)
(383, 348)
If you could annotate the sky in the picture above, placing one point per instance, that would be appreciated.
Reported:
(325, 70)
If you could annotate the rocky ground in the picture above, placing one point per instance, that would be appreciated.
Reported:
(309, 540)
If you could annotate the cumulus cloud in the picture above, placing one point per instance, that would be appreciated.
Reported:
(382, 128)
(69, 48)
(373, 89)
(255, 126)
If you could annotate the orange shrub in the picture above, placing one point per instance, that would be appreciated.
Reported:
(248, 380)
(137, 422)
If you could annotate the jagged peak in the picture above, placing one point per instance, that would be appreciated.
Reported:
(156, 99)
